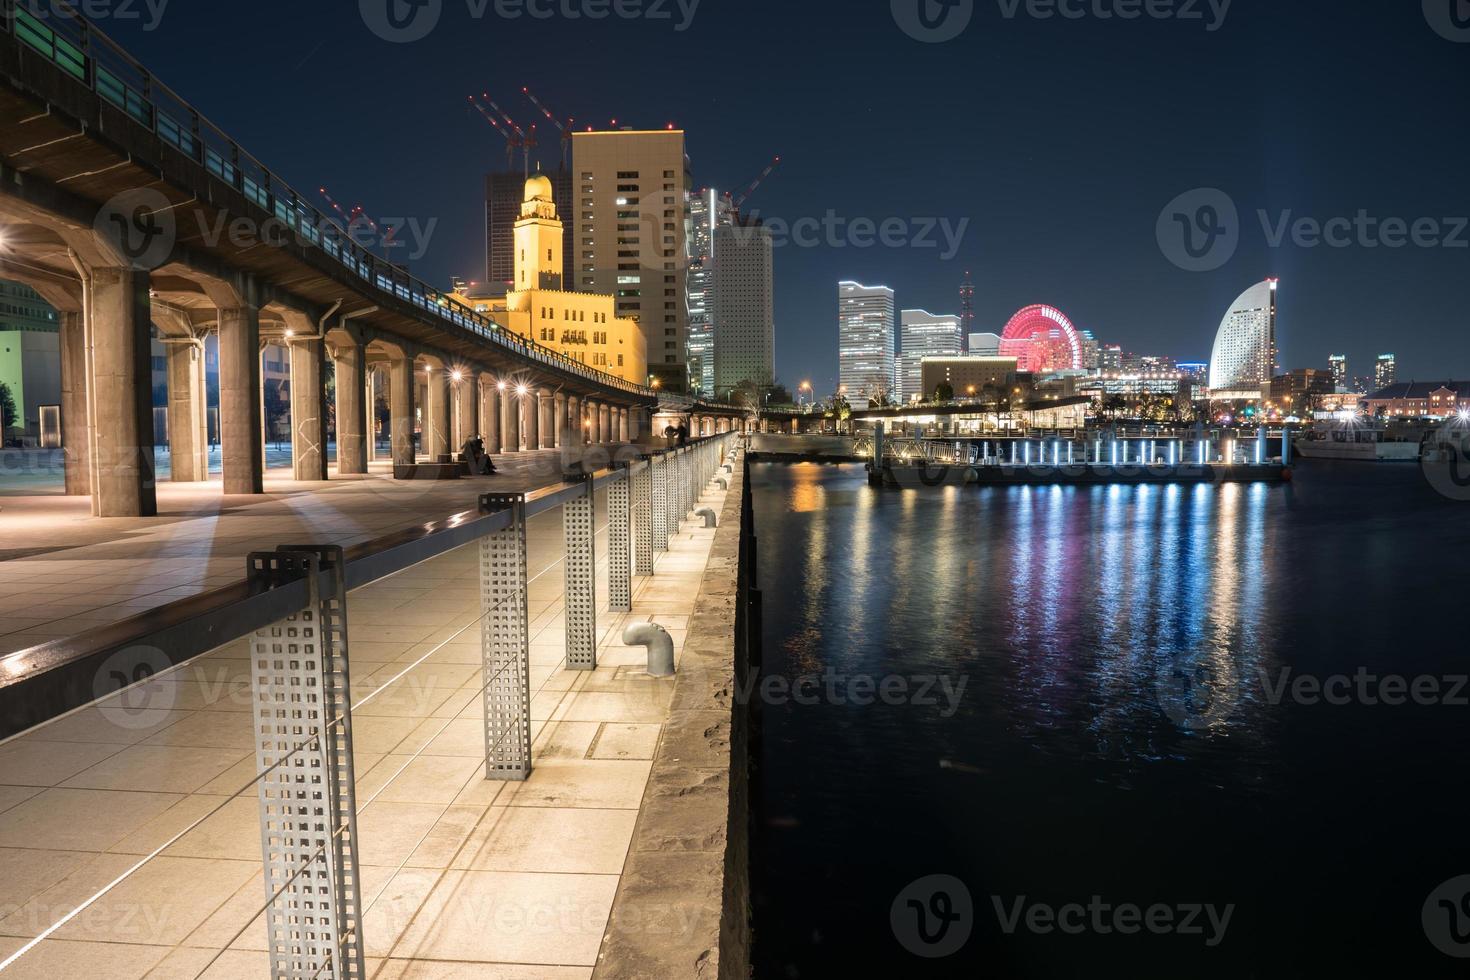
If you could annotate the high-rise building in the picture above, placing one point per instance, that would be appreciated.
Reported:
(630, 205)
(1386, 372)
(865, 329)
(30, 357)
(708, 210)
(502, 210)
(967, 307)
(1339, 367)
(1110, 359)
(745, 316)
(923, 334)
(1244, 357)
(985, 344)
(1091, 351)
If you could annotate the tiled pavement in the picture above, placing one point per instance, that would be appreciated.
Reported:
(461, 877)
(67, 571)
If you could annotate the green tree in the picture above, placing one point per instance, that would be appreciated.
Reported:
(8, 413)
(944, 393)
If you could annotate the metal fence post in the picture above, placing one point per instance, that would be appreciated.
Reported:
(659, 508)
(643, 518)
(580, 563)
(303, 748)
(505, 651)
(619, 547)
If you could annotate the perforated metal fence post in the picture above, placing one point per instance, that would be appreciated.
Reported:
(505, 650)
(303, 749)
(659, 505)
(581, 580)
(619, 547)
(643, 518)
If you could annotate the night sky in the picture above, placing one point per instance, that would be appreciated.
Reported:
(1060, 140)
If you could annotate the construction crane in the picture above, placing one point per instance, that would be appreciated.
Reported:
(523, 139)
(349, 218)
(737, 202)
(564, 128)
(510, 141)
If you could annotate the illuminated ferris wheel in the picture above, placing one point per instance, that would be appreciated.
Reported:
(1042, 339)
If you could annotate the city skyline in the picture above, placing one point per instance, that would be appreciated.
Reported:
(1082, 238)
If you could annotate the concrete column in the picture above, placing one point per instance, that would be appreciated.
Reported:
(530, 421)
(559, 418)
(370, 407)
(547, 419)
(623, 425)
(489, 414)
(74, 439)
(604, 422)
(402, 387)
(436, 413)
(574, 420)
(353, 408)
(587, 423)
(241, 432)
(466, 411)
(188, 432)
(122, 473)
(308, 410)
(510, 436)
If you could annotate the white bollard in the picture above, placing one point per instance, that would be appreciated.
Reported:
(659, 644)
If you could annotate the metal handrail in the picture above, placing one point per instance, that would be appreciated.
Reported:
(197, 624)
(86, 54)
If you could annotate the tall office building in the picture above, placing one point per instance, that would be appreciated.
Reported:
(985, 344)
(630, 208)
(1244, 357)
(865, 329)
(708, 210)
(502, 210)
(923, 334)
(744, 315)
(1339, 366)
(1386, 371)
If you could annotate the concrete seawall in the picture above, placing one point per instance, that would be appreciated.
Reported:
(683, 904)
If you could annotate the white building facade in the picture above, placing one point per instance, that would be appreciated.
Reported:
(923, 334)
(867, 367)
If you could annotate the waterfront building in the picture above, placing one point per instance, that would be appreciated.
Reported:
(970, 377)
(583, 326)
(630, 214)
(865, 334)
(1301, 388)
(1338, 365)
(1420, 399)
(1386, 371)
(1042, 340)
(1244, 356)
(744, 313)
(921, 335)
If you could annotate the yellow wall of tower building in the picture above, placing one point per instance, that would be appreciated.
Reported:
(581, 326)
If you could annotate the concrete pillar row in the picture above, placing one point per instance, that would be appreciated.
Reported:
(353, 408)
(489, 414)
(402, 391)
(466, 411)
(308, 410)
(242, 432)
(510, 433)
(121, 447)
(573, 421)
(436, 425)
(74, 424)
(188, 426)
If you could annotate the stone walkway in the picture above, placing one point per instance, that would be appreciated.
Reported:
(460, 877)
(63, 571)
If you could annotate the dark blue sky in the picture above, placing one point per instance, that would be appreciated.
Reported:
(1059, 140)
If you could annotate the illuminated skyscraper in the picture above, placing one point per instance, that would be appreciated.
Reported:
(923, 334)
(1338, 364)
(865, 330)
(1244, 356)
(708, 210)
(744, 311)
(1387, 370)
